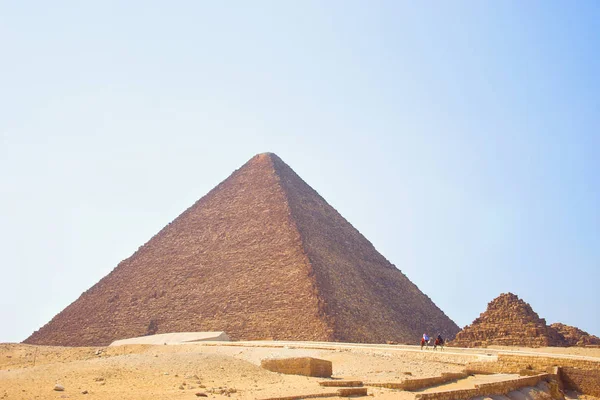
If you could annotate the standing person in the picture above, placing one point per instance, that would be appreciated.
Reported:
(422, 341)
(425, 341)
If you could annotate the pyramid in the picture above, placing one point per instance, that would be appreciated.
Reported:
(508, 321)
(575, 336)
(261, 256)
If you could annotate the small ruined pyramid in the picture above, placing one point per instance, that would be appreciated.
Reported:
(261, 256)
(575, 336)
(508, 321)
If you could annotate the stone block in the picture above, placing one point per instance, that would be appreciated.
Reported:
(307, 366)
(347, 392)
(585, 381)
(338, 383)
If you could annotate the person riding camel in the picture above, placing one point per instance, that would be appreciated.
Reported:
(439, 342)
(424, 341)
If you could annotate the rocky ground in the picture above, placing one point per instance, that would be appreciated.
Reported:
(216, 370)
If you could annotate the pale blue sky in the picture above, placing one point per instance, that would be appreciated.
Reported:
(461, 138)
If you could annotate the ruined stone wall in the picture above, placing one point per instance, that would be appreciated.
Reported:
(487, 389)
(583, 380)
(421, 383)
(576, 374)
(515, 363)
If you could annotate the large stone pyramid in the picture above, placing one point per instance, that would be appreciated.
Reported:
(261, 256)
(508, 321)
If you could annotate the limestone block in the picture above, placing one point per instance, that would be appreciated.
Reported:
(347, 392)
(307, 366)
(338, 383)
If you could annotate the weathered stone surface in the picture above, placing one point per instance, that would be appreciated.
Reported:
(347, 392)
(339, 383)
(486, 390)
(261, 256)
(421, 383)
(508, 321)
(308, 366)
(582, 375)
(582, 380)
(305, 396)
(574, 336)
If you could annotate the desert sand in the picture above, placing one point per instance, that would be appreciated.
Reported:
(222, 370)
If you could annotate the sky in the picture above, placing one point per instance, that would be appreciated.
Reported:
(462, 138)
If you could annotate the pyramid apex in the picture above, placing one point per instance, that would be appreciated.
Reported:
(506, 298)
(264, 157)
(508, 295)
(265, 154)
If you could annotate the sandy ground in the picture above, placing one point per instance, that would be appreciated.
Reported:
(221, 370)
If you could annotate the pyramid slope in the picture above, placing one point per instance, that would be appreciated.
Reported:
(366, 298)
(261, 256)
(232, 262)
(508, 321)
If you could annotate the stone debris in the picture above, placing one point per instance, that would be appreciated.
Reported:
(225, 391)
(59, 388)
